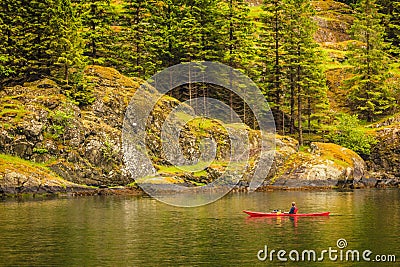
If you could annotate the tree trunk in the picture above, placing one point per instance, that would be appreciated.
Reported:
(277, 69)
(292, 101)
(309, 115)
(299, 104)
(66, 72)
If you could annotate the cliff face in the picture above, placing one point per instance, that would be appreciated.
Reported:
(83, 144)
(384, 161)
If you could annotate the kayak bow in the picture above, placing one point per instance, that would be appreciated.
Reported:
(278, 214)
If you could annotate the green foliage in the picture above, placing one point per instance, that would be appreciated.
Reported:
(236, 35)
(134, 39)
(59, 120)
(391, 21)
(140, 37)
(108, 153)
(97, 17)
(369, 94)
(292, 77)
(348, 2)
(70, 59)
(81, 92)
(350, 135)
(40, 150)
(5, 69)
(38, 38)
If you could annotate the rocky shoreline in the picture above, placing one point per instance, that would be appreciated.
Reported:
(51, 145)
(33, 192)
(52, 191)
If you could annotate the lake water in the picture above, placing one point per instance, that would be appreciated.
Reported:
(141, 231)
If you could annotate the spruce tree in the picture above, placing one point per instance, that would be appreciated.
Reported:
(7, 29)
(390, 10)
(97, 17)
(292, 78)
(236, 34)
(134, 39)
(304, 61)
(369, 95)
(164, 22)
(237, 44)
(394, 27)
(39, 34)
(70, 45)
(271, 55)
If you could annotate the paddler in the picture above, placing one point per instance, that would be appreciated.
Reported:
(293, 209)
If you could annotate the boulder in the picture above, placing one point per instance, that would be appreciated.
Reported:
(19, 176)
(325, 165)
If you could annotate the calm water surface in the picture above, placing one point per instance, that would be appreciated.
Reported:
(140, 231)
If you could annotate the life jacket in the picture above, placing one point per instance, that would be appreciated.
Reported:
(295, 210)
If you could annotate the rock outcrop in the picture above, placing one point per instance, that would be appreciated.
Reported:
(82, 144)
(334, 20)
(324, 165)
(18, 176)
(384, 161)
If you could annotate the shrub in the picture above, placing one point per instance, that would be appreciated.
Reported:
(350, 135)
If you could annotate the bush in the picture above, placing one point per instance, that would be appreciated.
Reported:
(60, 120)
(349, 135)
(81, 90)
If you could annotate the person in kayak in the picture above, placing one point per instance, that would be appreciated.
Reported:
(293, 209)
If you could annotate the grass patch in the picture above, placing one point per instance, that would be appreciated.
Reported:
(237, 126)
(341, 156)
(202, 173)
(197, 183)
(304, 149)
(13, 111)
(16, 164)
(202, 127)
(40, 150)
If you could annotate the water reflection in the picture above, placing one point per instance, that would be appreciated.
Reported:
(139, 231)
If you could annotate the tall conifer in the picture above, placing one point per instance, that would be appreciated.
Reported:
(369, 94)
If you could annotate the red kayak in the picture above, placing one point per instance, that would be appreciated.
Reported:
(277, 214)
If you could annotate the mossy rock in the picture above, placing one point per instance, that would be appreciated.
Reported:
(324, 164)
(18, 176)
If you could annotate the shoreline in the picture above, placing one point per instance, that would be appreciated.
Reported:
(56, 192)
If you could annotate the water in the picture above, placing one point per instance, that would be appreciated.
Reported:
(140, 231)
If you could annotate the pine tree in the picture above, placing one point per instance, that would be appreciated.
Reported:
(39, 34)
(97, 17)
(304, 61)
(164, 24)
(394, 27)
(7, 68)
(134, 39)
(237, 44)
(236, 34)
(70, 45)
(292, 74)
(390, 11)
(369, 95)
(271, 55)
